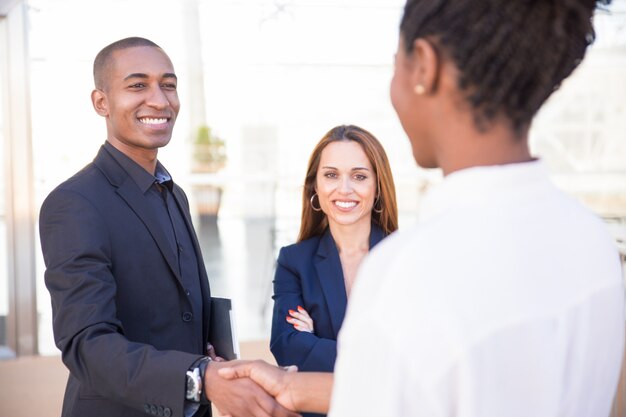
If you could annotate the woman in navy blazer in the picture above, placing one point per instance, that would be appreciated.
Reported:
(348, 206)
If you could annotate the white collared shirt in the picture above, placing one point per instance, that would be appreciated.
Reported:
(506, 299)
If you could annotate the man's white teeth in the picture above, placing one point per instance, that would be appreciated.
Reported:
(345, 204)
(151, 121)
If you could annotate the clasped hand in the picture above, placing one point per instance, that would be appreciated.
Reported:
(237, 389)
(302, 391)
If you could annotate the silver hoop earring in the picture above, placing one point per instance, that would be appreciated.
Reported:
(312, 206)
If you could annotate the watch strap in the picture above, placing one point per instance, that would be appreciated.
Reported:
(204, 362)
(195, 381)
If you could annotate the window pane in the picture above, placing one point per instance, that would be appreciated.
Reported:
(4, 282)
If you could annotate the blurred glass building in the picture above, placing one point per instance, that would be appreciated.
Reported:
(269, 79)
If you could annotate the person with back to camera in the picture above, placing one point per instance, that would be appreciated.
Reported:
(509, 292)
(130, 294)
(348, 206)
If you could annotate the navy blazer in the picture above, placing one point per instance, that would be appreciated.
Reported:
(309, 274)
(121, 315)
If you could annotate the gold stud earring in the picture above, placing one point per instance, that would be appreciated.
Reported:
(419, 89)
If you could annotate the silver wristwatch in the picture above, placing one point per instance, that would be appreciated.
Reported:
(194, 385)
(195, 378)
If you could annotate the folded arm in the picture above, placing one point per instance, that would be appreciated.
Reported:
(289, 345)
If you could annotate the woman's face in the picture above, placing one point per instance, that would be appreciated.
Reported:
(409, 107)
(346, 184)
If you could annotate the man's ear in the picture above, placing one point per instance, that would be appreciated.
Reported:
(100, 102)
(426, 66)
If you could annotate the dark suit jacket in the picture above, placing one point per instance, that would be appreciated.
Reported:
(121, 317)
(309, 274)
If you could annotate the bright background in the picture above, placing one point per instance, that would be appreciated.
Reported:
(270, 78)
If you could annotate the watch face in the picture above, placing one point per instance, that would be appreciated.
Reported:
(192, 386)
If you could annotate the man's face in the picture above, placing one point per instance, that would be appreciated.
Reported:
(139, 99)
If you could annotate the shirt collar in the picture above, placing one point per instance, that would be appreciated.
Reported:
(163, 177)
(476, 184)
(140, 176)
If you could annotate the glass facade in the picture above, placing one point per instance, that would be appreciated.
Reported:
(266, 80)
(270, 86)
(17, 255)
(4, 279)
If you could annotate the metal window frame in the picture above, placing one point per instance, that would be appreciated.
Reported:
(22, 332)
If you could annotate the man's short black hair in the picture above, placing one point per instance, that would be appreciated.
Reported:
(103, 59)
(511, 54)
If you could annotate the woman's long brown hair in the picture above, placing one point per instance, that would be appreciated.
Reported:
(385, 212)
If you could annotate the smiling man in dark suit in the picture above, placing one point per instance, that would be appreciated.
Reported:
(129, 289)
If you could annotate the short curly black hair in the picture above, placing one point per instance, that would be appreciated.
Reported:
(511, 54)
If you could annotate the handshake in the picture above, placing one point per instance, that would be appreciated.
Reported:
(256, 388)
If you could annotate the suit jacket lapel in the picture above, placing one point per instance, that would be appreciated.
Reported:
(376, 235)
(183, 206)
(330, 275)
(129, 191)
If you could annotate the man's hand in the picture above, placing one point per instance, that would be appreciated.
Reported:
(272, 379)
(302, 391)
(240, 396)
